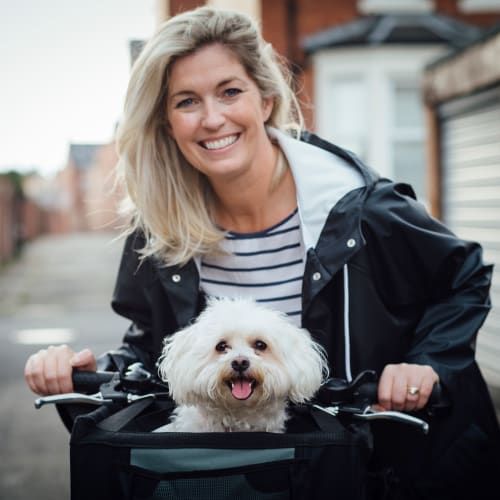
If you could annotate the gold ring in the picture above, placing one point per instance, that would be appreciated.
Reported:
(413, 391)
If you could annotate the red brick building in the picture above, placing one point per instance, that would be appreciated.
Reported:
(360, 64)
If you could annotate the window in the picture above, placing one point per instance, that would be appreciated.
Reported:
(369, 100)
(347, 112)
(408, 153)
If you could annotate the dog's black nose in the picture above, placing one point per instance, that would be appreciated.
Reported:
(240, 364)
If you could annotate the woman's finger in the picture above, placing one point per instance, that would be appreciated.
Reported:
(34, 373)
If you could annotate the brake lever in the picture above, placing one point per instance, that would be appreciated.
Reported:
(369, 413)
(72, 398)
(94, 399)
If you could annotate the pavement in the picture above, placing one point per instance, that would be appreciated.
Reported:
(58, 291)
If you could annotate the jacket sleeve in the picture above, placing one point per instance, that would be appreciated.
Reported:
(420, 265)
(421, 262)
(130, 300)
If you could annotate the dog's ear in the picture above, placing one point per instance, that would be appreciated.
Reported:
(175, 362)
(307, 364)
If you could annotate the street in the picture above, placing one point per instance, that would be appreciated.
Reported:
(57, 292)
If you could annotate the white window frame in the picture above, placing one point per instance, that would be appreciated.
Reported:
(384, 6)
(470, 6)
(378, 67)
(406, 134)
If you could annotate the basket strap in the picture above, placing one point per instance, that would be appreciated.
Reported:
(326, 422)
(118, 420)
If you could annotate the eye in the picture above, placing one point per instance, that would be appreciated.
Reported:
(221, 346)
(184, 103)
(259, 345)
(232, 92)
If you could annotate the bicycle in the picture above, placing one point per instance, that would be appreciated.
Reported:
(115, 454)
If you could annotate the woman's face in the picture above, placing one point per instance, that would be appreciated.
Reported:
(216, 114)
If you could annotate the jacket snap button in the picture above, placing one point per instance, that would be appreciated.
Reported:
(316, 276)
(351, 242)
(176, 278)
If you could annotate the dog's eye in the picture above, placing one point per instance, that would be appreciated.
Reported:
(221, 346)
(260, 346)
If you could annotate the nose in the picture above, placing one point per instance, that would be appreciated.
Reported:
(213, 118)
(240, 364)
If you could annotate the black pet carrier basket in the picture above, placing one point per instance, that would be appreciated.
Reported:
(117, 456)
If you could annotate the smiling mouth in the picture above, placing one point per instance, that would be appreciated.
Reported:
(220, 143)
(241, 387)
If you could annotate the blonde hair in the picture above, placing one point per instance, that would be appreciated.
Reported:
(168, 199)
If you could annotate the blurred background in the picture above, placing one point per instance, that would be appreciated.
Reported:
(411, 86)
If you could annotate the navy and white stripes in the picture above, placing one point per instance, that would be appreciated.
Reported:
(267, 266)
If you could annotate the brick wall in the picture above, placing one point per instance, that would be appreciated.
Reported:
(286, 22)
(7, 220)
(21, 219)
(102, 197)
(177, 6)
(319, 15)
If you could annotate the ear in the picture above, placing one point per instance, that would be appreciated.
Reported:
(175, 362)
(169, 129)
(308, 367)
(267, 107)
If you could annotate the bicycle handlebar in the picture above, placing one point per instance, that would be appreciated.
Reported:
(90, 382)
(364, 388)
(334, 397)
(369, 392)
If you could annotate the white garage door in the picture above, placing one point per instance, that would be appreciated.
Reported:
(471, 196)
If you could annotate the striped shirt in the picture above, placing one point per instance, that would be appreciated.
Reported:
(267, 266)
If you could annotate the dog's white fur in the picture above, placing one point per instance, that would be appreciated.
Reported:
(198, 363)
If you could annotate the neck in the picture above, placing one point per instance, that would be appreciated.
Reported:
(259, 203)
(270, 418)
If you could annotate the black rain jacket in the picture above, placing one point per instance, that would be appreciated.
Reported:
(384, 282)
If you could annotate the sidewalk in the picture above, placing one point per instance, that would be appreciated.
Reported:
(63, 281)
(59, 290)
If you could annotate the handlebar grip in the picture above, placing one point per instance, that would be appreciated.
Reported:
(369, 391)
(89, 382)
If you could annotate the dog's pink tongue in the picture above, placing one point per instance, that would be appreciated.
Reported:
(241, 389)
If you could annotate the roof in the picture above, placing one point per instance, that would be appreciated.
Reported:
(83, 155)
(484, 38)
(465, 71)
(424, 28)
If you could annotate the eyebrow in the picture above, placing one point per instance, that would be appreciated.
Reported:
(224, 82)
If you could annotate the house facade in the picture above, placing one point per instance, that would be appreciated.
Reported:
(359, 67)
(462, 96)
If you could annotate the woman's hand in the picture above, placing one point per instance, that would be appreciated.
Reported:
(406, 387)
(49, 370)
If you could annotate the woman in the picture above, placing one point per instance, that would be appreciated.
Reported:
(227, 200)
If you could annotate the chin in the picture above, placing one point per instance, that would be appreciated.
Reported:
(237, 368)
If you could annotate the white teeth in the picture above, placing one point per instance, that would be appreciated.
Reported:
(221, 143)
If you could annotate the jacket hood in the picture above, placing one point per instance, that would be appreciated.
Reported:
(322, 179)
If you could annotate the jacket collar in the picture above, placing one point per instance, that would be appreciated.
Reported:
(332, 185)
(322, 179)
(325, 176)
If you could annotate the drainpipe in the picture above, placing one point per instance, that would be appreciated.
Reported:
(292, 35)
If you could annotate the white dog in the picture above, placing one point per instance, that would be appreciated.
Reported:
(237, 367)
